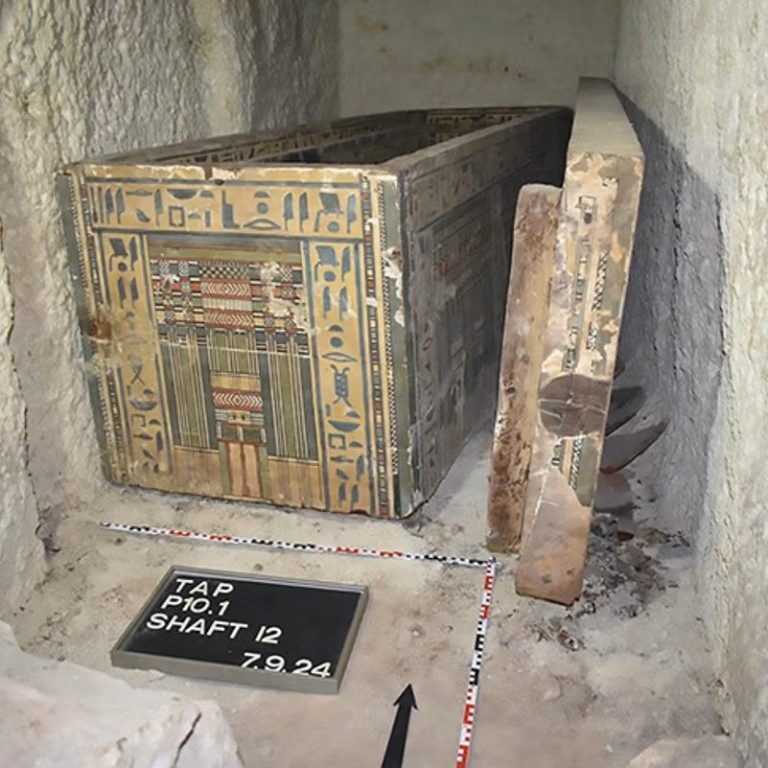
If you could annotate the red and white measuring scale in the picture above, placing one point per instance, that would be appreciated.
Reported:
(488, 565)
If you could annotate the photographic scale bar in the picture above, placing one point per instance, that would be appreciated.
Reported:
(481, 631)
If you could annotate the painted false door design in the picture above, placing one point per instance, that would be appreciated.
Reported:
(239, 331)
(232, 333)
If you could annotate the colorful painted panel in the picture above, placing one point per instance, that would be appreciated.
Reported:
(243, 330)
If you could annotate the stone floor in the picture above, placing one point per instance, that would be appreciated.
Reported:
(591, 686)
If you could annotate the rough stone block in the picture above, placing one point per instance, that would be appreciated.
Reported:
(705, 752)
(56, 714)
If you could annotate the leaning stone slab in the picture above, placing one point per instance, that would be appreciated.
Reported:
(521, 357)
(598, 211)
(60, 715)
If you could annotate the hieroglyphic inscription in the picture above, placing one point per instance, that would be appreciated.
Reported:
(133, 378)
(598, 210)
(460, 256)
(209, 302)
(303, 144)
(337, 316)
(248, 208)
(587, 253)
(269, 426)
(447, 124)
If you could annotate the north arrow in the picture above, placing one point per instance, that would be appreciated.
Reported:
(393, 757)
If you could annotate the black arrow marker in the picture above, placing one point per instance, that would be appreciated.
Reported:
(393, 757)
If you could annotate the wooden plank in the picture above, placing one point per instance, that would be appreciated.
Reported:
(598, 211)
(521, 358)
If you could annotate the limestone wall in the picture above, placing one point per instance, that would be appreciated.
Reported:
(696, 75)
(21, 552)
(83, 77)
(407, 54)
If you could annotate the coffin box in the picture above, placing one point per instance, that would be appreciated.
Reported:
(308, 317)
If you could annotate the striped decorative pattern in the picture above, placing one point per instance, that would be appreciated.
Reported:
(192, 425)
(236, 352)
(225, 289)
(287, 388)
(232, 352)
(228, 318)
(237, 401)
(334, 264)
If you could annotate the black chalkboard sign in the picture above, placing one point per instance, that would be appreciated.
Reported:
(270, 632)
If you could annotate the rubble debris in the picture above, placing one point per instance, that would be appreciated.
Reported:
(614, 494)
(58, 713)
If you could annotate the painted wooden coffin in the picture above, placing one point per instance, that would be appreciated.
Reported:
(307, 317)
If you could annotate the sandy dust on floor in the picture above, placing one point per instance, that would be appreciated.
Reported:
(590, 686)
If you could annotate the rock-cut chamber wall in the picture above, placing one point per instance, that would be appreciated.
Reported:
(695, 76)
(82, 78)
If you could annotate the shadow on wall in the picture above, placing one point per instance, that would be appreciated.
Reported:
(672, 333)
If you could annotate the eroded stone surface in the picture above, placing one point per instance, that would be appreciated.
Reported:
(613, 494)
(697, 306)
(621, 449)
(707, 752)
(625, 404)
(57, 714)
(21, 553)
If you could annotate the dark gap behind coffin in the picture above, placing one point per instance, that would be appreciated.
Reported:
(620, 450)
